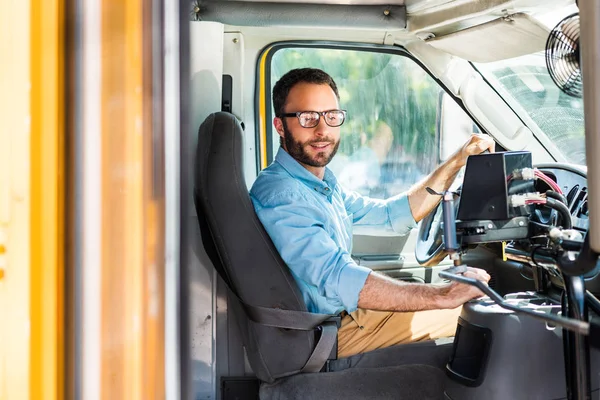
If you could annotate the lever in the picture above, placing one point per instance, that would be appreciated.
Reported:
(451, 245)
(455, 273)
(574, 325)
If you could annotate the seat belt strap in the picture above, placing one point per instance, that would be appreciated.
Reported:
(299, 320)
(325, 346)
(288, 319)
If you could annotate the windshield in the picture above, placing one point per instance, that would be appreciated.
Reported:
(525, 84)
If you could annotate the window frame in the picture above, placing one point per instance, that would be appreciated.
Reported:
(263, 92)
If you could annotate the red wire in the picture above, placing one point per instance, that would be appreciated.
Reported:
(535, 201)
(549, 181)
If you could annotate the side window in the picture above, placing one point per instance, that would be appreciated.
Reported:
(390, 139)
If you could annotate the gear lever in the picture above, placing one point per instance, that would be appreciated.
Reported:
(451, 245)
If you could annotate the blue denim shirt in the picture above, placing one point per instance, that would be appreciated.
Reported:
(310, 222)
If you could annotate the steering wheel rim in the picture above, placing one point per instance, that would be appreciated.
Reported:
(429, 250)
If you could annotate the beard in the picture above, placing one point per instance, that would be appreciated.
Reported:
(300, 151)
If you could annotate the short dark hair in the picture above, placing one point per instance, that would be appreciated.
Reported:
(282, 88)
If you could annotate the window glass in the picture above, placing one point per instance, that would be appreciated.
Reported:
(524, 82)
(526, 85)
(390, 137)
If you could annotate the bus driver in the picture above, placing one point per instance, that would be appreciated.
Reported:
(309, 218)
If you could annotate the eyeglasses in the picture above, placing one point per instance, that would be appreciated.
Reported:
(310, 119)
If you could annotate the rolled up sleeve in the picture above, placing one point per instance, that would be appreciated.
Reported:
(401, 217)
(297, 230)
(351, 281)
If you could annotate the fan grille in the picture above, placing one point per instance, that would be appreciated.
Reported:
(562, 56)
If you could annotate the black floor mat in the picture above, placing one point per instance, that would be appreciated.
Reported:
(407, 382)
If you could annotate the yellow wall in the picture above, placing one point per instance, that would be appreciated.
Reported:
(15, 131)
(32, 198)
(31, 107)
(132, 209)
(47, 177)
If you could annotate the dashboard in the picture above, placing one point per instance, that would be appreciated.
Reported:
(572, 180)
(530, 232)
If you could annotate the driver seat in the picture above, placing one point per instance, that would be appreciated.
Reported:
(285, 344)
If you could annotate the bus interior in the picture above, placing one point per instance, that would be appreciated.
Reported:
(133, 265)
(434, 72)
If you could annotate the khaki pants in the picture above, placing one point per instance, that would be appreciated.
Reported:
(366, 330)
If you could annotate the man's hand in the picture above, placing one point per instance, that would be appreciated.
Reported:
(456, 294)
(421, 202)
(383, 293)
(477, 144)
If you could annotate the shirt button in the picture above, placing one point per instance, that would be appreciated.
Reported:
(327, 189)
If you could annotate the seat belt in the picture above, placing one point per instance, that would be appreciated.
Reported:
(325, 347)
(288, 319)
(328, 324)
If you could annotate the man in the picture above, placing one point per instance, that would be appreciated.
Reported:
(309, 218)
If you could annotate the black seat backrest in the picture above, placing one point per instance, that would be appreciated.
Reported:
(242, 251)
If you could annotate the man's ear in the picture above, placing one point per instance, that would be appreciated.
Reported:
(278, 124)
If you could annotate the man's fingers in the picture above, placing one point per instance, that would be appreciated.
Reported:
(485, 142)
(479, 271)
(473, 275)
(480, 142)
(479, 275)
(490, 145)
(471, 291)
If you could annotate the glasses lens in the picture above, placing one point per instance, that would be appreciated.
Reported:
(335, 117)
(309, 119)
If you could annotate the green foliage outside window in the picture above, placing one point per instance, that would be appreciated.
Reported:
(376, 87)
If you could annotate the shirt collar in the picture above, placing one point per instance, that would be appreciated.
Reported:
(294, 168)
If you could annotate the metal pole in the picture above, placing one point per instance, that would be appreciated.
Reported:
(175, 389)
(576, 345)
(589, 17)
(88, 141)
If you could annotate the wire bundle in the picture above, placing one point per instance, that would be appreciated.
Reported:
(540, 175)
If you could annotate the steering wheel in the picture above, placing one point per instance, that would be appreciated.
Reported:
(429, 250)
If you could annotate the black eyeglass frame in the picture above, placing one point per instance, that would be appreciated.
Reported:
(321, 113)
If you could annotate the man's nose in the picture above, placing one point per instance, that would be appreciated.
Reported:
(321, 133)
(322, 129)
